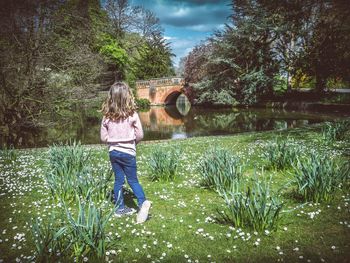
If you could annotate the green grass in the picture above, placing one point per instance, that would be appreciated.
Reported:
(182, 225)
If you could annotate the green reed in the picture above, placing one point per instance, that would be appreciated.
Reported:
(163, 164)
(252, 205)
(88, 183)
(317, 176)
(281, 153)
(87, 231)
(67, 157)
(333, 131)
(219, 168)
(71, 174)
(8, 154)
(48, 238)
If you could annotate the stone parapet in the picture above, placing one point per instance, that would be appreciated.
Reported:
(160, 91)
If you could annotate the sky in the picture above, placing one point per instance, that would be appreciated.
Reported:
(187, 22)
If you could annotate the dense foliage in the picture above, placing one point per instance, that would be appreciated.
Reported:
(53, 52)
(270, 44)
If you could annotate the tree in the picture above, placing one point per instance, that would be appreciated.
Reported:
(328, 53)
(196, 61)
(155, 59)
(137, 31)
(271, 40)
(311, 38)
(72, 45)
(47, 54)
(56, 52)
(237, 65)
(23, 73)
(131, 19)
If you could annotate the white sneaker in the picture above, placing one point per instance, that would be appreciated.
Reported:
(143, 213)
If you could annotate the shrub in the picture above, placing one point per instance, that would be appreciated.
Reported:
(207, 94)
(143, 104)
(281, 153)
(251, 206)
(253, 86)
(218, 168)
(163, 164)
(318, 176)
(335, 131)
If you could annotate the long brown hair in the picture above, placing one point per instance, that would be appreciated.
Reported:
(120, 102)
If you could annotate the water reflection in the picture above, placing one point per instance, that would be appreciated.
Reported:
(169, 123)
(183, 105)
(173, 122)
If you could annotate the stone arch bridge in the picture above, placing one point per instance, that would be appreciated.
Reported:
(162, 91)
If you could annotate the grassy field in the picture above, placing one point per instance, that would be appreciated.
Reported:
(183, 225)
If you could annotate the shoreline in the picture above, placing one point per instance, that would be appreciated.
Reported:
(205, 137)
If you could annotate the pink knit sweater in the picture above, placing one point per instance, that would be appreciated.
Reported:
(122, 135)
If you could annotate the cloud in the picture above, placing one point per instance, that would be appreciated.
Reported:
(188, 22)
(202, 28)
(169, 37)
(181, 12)
(195, 15)
(182, 46)
(181, 43)
(192, 2)
(200, 16)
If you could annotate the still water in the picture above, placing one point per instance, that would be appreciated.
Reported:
(172, 122)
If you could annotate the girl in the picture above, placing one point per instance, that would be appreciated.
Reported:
(121, 129)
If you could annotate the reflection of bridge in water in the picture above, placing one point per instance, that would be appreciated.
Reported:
(158, 118)
(160, 91)
(162, 123)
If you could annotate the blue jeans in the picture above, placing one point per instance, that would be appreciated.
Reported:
(124, 165)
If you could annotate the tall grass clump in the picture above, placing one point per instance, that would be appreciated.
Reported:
(87, 184)
(87, 231)
(69, 157)
(163, 164)
(8, 155)
(333, 131)
(281, 153)
(71, 174)
(219, 168)
(251, 206)
(318, 176)
(48, 238)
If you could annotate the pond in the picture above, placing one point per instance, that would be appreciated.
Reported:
(173, 122)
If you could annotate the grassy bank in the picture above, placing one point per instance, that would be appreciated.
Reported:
(184, 225)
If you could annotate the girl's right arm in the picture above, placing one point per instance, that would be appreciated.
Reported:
(104, 130)
(138, 129)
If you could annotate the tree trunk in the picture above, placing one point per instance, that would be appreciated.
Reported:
(320, 84)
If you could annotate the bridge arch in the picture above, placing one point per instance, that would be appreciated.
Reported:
(171, 95)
